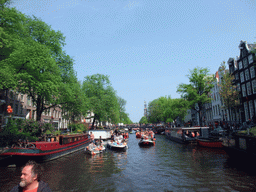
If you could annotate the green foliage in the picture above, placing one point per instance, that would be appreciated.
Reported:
(78, 127)
(101, 98)
(228, 91)
(197, 92)
(143, 120)
(165, 109)
(23, 129)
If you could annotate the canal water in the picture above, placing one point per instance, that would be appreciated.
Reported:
(167, 166)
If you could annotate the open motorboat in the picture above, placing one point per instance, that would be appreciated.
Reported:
(146, 142)
(96, 150)
(117, 146)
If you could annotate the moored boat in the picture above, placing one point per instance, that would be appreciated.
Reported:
(187, 134)
(209, 142)
(44, 151)
(240, 147)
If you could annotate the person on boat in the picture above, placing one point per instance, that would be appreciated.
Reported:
(31, 179)
(91, 146)
(92, 137)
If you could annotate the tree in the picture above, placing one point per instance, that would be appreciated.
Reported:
(228, 91)
(35, 62)
(101, 98)
(155, 114)
(122, 104)
(11, 33)
(143, 120)
(197, 92)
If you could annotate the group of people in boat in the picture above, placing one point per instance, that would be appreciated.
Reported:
(95, 145)
(192, 133)
(148, 134)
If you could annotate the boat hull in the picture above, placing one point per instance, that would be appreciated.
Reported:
(209, 143)
(146, 143)
(117, 147)
(43, 151)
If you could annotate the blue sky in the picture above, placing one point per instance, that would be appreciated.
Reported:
(147, 47)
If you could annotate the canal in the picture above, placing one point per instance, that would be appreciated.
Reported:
(168, 166)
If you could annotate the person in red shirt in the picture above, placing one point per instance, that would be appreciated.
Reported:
(30, 179)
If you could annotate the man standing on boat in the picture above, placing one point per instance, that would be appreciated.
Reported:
(92, 137)
(30, 179)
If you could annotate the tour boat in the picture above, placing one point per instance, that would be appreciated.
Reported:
(187, 134)
(117, 146)
(146, 142)
(208, 142)
(44, 151)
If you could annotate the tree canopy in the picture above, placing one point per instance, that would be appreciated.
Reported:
(228, 91)
(101, 98)
(165, 109)
(198, 90)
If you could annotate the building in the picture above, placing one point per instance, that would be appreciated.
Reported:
(23, 108)
(243, 68)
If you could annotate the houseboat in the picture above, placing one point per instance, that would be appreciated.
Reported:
(44, 151)
(187, 134)
(240, 147)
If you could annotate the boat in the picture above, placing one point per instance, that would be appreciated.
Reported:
(138, 134)
(104, 134)
(117, 146)
(209, 142)
(187, 134)
(95, 150)
(240, 147)
(45, 151)
(145, 142)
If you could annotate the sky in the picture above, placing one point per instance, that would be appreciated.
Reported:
(147, 47)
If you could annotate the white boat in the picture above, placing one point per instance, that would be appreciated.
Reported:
(146, 142)
(95, 151)
(117, 146)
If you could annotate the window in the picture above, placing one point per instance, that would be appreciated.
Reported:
(245, 62)
(249, 90)
(21, 110)
(238, 88)
(246, 111)
(252, 71)
(244, 52)
(16, 109)
(247, 76)
(242, 76)
(243, 90)
(255, 105)
(251, 109)
(240, 65)
(250, 57)
(254, 86)
(28, 101)
(236, 76)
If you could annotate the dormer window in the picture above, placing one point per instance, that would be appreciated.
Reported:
(245, 62)
(244, 52)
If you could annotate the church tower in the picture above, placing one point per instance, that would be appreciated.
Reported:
(145, 109)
